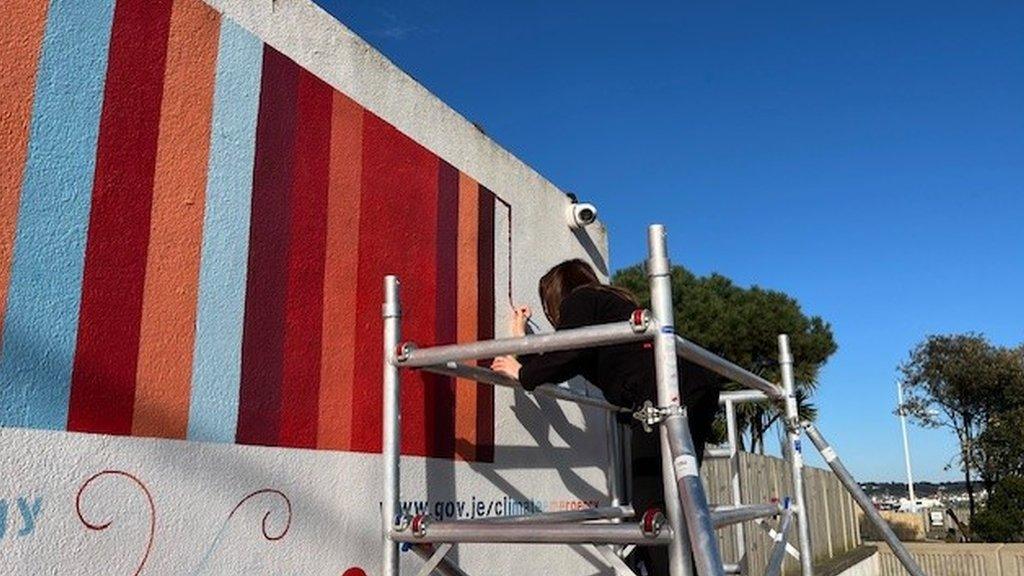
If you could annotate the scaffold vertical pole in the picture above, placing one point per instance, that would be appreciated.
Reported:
(794, 454)
(392, 425)
(685, 471)
(680, 554)
(734, 481)
(615, 471)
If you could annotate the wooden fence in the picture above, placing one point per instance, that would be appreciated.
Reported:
(833, 513)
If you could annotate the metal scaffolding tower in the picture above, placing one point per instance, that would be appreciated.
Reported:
(687, 526)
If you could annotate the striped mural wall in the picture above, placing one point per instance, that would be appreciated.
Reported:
(193, 235)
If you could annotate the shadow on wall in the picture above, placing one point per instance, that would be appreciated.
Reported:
(583, 237)
(38, 354)
(538, 416)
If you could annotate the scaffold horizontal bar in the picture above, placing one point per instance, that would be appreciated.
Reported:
(587, 514)
(717, 453)
(729, 515)
(741, 396)
(723, 367)
(586, 337)
(567, 533)
(488, 376)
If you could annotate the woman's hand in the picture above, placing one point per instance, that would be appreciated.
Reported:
(517, 323)
(507, 365)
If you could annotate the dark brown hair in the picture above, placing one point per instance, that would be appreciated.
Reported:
(567, 277)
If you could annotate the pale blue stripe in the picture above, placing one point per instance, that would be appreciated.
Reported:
(53, 217)
(217, 364)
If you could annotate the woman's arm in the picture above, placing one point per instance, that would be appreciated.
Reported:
(577, 310)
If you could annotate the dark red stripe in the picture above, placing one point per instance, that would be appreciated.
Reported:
(397, 235)
(441, 391)
(259, 411)
(485, 322)
(103, 376)
(300, 387)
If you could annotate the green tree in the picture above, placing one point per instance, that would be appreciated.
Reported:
(742, 324)
(964, 383)
(1000, 446)
(1002, 520)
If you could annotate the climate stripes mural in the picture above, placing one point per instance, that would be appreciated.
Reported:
(193, 235)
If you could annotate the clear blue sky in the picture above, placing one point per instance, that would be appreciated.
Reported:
(867, 158)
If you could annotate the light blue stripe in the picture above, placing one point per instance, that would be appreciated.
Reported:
(217, 364)
(53, 217)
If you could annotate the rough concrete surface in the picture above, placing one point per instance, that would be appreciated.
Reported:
(199, 202)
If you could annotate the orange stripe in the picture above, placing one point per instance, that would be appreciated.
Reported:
(339, 323)
(164, 371)
(466, 390)
(21, 37)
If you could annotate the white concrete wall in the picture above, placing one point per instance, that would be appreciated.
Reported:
(325, 514)
(941, 559)
(87, 504)
(869, 566)
(307, 34)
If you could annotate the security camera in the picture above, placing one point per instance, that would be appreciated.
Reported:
(581, 215)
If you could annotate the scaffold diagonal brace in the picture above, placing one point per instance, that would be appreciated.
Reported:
(774, 535)
(609, 555)
(436, 558)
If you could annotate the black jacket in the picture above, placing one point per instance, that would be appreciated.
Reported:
(623, 372)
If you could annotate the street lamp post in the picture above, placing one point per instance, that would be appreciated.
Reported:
(906, 446)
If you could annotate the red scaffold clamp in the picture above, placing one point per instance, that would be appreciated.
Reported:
(419, 525)
(651, 522)
(640, 320)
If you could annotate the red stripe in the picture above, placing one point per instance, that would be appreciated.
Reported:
(259, 410)
(485, 323)
(397, 235)
(441, 400)
(300, 388)
(341, 262)
(103, 377)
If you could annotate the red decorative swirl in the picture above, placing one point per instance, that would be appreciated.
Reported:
(103, 526)
(266, 534)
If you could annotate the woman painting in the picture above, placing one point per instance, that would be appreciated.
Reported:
(573, 297)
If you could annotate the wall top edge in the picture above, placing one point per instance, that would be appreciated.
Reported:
(317, 41)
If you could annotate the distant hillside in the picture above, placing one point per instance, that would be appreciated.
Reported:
(921, 489)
